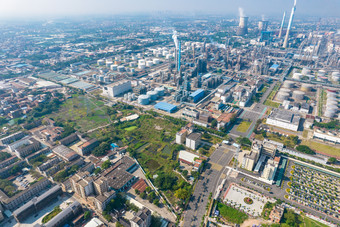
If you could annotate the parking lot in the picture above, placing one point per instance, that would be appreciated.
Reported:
(23, 182)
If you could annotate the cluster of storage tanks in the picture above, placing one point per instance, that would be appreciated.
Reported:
(151, 96)
(163, 52)
(331, 104)
(285, 92)
(129, 97)
(142, 63)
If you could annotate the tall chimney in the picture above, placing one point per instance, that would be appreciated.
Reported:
(285, 43)
(282, 23)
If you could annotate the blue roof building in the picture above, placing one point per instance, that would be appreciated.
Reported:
(166, 107)
(197, 95)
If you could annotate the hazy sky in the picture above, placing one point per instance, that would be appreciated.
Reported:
(47, 8)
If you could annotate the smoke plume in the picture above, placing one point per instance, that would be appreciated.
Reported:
(241, 11)
(174, 37)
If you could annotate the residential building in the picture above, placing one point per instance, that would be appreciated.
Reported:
(193, 140)
(24, 147)
(142, 218)
(101, 201)
(82, 184)
(224, 120)
(87, 147)
(37, 203)
(65, 153)
(12, 138)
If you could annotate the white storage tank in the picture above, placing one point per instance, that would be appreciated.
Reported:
(120, 68)
(297, 76)
(298, 95)
(155, 61)
(144, 99)
(160, 91)
(153, 95)
(305, 71)
(321, 72)
(306, 87)
(149, 63)
(114, 67)
(288, 84)
(282, 96)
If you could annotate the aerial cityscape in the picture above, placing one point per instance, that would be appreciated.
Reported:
(170, 118)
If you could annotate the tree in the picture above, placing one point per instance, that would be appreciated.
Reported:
(137, 191)
(305, 149)
(156, 202)
(151, 196)
(182, 193)
(143, 195)
(118, 224)
(97, 170)
(332, 160)
(147, 189)
(185, 173)
(87, 215)
(106, 164)
(165, 181)
(213, 123)
(291, 218)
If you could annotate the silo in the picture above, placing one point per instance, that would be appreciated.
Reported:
(298, 95)
(306, 87)
(285, 90)
(153, 95)
(321, 72)
(288, 84)
(160, 91)
(297, 76)
(114, 67)
(155, 61)
(281, 96)
(143, 99)
(305, 71)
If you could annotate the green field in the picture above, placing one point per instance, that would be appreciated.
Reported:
(130, 128)
(322, 148)
(87, 113)
(244, 126)
(231, 214)
(311, 223)
(269, 101)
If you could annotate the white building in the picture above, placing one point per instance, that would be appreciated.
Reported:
(116, 89)
(284, 119)
(187, 157)
(269, 170)
(327, 135)
(193, 140)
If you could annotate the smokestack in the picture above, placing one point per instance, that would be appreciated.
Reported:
(263, 25)
(285, 43)
(243, 25)
(282, 23)
(179, 56)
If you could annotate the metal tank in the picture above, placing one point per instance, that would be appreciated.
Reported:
(144, 99)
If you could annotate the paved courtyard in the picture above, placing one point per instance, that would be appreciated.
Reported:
(235, 196)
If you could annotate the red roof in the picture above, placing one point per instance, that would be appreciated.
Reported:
(140, 185)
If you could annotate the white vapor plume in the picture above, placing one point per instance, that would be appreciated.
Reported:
(174, 37)
(241, 11)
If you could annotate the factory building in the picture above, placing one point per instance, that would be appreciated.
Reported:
(116, 89)
(166, 107)
(284, 119)
(64, 216)
(329, 136)
(197, 95)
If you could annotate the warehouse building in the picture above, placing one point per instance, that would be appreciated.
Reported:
(166, 107)
(116, 89)
(66, 215)
(65, 153)
(197, 95)
(284, 119)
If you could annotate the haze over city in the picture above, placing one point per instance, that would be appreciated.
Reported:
(55, 8)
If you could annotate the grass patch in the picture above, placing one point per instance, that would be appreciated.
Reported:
(231, 214)
(271, 103)
(269, 100)
(244, 126)
(311, 222)
(322, 148)
(166, 150)
(130, 128)
(51, 215)
(152, 165)
(304, 133)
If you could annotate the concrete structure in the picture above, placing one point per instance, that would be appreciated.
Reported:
(65, 153)
(66, 215)
(284, 119)
(193, 140)
(270, 170)
(24, 147)
(82, 184)
(327, 135)
(12, 138)
(101, 201)
(116, 89)
(37, 204)
(285, 43)
(187, 157)
(142, 218)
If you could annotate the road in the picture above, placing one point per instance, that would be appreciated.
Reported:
(207, 183)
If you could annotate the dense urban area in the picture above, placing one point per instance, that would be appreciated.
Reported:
(180, 121)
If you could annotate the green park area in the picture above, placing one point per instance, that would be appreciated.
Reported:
(231, 214)
(269, 101)
(130, 128)
(244, 126)
(87, 113)
(322, 148)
